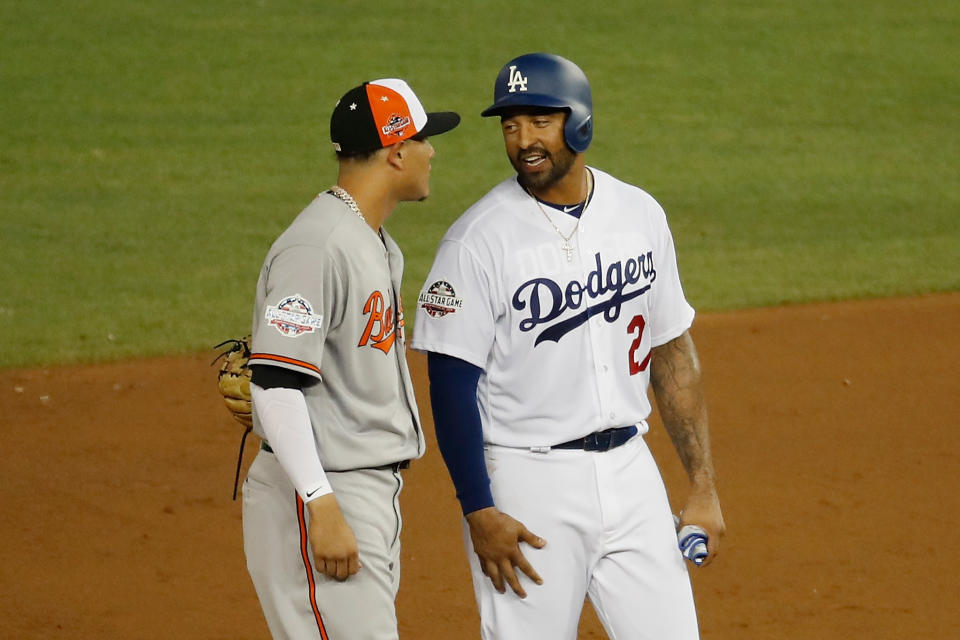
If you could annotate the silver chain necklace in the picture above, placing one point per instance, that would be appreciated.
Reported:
(566, 247)
(342, 194)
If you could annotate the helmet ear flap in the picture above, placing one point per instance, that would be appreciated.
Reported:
(579, 131)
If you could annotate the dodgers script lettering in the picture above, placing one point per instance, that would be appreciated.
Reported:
(546, 300)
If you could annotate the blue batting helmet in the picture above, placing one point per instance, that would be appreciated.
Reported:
(547, 80)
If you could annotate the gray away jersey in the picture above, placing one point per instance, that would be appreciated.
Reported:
(328, 305)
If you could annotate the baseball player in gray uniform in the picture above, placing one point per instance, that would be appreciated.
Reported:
(553, 304)
(332, 396)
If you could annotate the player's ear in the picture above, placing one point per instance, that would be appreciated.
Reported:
(395, 155)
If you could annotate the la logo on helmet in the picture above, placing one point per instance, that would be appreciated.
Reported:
(516, 80)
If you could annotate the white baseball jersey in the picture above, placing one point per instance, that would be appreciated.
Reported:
(564, 343)
(328, 305)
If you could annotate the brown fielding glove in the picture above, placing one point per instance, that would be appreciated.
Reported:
(233, 382)
(233, 379)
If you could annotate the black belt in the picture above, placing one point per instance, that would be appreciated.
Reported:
(601, 440)
(396, 466)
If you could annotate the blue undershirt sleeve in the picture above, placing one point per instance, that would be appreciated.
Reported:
(456, 419)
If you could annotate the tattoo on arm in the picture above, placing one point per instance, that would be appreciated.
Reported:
(676, 380)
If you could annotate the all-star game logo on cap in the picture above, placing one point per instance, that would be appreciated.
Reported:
(383, 112)
(396, 125)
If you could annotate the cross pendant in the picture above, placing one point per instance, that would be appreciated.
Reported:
(568, 249)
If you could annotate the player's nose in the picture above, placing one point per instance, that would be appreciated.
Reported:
(525, 136)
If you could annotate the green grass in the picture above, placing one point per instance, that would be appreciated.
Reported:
(150, 152)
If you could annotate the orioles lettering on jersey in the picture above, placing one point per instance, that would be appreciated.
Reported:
(382, 325)
(546, 300)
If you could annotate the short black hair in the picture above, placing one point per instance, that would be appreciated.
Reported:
(361, 156)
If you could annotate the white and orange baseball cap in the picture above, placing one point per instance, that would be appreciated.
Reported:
(380, 113)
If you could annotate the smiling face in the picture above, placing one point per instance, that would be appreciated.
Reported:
(536, 147)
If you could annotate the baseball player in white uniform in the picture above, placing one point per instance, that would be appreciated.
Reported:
(332, 395)
(552, 305)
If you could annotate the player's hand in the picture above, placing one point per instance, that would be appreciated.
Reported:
(334, 546)
(703, 509)
(496, 541)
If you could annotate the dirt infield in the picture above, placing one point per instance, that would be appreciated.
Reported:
(834, 437)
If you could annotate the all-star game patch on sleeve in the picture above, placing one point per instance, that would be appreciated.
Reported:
(454, 308)
(296, 292)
